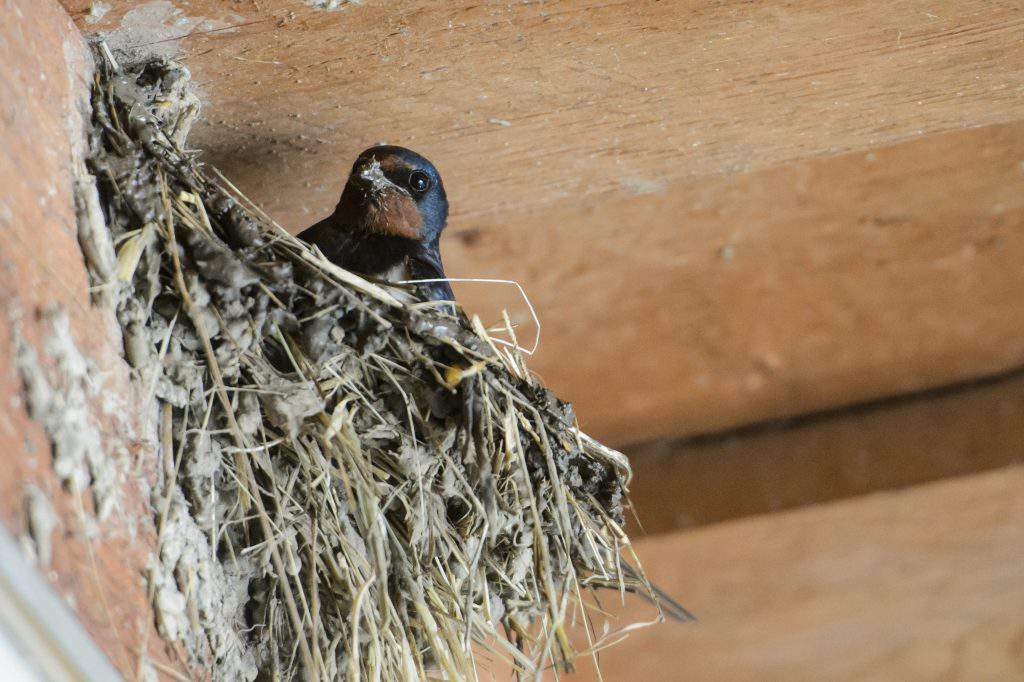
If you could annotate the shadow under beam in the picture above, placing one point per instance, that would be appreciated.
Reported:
(884, 445)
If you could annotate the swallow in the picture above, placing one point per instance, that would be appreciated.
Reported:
(389, 220)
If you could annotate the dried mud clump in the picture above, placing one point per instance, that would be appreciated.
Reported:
(351, 486)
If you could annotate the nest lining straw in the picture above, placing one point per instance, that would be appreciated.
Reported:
(390, 493)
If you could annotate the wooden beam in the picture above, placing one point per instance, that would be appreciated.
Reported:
(783, 465)
(921, 584)
(658, 187)
(813, 285)
(600, 97)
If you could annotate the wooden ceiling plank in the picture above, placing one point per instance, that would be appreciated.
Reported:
(686, 190)
(922, 584)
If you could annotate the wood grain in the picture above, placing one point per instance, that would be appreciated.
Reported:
(663, 179)
(815, 284)
(599, 96)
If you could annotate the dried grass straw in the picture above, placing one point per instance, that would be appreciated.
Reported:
(402, 497)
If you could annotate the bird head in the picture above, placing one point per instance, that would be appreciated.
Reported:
(395, 191)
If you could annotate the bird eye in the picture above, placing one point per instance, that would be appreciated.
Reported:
(419, 181)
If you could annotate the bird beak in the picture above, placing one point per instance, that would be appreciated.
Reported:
(372, 178)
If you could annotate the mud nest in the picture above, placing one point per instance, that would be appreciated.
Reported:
(350, 486)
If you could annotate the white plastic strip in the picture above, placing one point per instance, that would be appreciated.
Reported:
(522, 292)
(37, 627)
